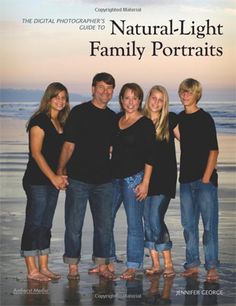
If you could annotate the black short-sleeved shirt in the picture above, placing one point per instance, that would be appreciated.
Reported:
(91, 130)
(197, 139)
(164, 173)
(51, 147)
(132, 147)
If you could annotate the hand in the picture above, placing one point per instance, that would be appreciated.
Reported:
(141, 191)
(60, 181)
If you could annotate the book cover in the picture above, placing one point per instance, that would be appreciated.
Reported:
(147, 42)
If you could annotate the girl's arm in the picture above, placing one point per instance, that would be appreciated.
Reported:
(36, 141)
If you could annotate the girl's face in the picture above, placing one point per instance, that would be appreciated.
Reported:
(130, 101)
(58, 103)
(156, 101)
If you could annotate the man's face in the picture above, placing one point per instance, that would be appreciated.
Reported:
(102, 93)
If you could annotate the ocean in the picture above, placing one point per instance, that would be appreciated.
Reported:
(223, 113)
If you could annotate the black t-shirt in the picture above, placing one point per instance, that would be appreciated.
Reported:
(91, 130)
(132, 147)
(197, 139)
(51, 147)
(164, 173)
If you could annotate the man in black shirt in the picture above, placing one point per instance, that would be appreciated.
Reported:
(85, 154)
(198, 180)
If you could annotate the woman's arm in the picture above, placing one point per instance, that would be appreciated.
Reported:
(36, 141)
(142, 189)
(66, 152)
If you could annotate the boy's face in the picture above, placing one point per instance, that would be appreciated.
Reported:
(188, 98)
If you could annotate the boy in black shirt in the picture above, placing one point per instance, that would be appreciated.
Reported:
(198, 180)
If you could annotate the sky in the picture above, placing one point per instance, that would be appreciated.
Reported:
(38, 49)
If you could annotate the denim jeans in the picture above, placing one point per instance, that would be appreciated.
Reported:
(197, 198)
(100, 200)
(40, 209)
(156, 232)
(123, 191)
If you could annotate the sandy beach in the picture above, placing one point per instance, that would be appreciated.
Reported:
(92, 290)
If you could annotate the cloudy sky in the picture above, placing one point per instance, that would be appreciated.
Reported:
(36, 53)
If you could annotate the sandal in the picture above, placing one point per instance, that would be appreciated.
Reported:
(128, 274)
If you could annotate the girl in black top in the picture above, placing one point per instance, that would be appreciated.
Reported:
(162, 184)
(40, 181)
(132, 166)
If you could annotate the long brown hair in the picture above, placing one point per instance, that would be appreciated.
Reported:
(52, 91)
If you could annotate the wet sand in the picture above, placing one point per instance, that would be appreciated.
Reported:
(92, 290)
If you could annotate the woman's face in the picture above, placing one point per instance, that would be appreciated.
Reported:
(130, 101)
(156, 101)
(58, 103)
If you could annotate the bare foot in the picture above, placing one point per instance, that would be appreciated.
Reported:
(37, 276)
(212, 275)
(105, 272)
(153, 270)
(93, 270)
(190, 272)
(50, 274)
(128, 274)
(169, 272)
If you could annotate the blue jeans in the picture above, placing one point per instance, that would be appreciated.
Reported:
(156, 232)
(40, 209)
(197, 198)
(123, 191)
(100, 200)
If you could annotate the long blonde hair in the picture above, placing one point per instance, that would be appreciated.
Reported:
(161, 125)
(52, 91)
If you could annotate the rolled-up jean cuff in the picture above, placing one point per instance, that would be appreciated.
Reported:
(70, 260)
(149, 245)
(212, 265)
(35, 252)
(163, 246)
(194, 264)
(134, 265)
(103, 261)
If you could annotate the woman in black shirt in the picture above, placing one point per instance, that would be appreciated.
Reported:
(162, 184)
(132, 166)
(40, 182)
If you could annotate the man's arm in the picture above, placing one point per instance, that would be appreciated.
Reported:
(66, 152)
(211, 164)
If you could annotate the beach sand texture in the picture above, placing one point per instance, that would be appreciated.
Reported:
(92, 290)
